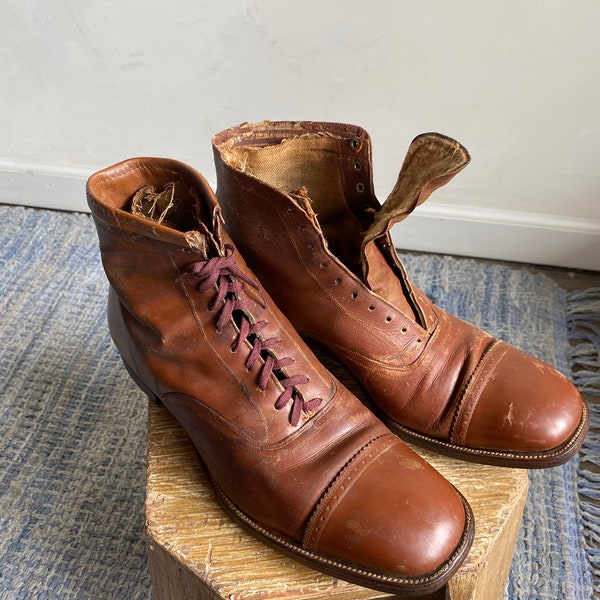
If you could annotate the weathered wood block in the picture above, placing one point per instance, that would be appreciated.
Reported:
(197, 552)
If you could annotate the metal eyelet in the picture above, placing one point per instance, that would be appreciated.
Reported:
(360, 188)
(355, 144)
(357, 166)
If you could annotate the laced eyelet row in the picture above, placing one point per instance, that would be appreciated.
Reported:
(224, 273)
(354, 295)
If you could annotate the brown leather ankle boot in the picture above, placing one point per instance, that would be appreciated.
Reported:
(298, 200)
(292, 454)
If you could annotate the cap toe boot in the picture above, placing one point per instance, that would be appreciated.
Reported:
(291, 453)
(298, 200)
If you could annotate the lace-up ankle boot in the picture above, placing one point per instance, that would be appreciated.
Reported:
(299, 202)
(291, 453)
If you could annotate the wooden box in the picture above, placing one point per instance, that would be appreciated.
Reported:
(197, 552)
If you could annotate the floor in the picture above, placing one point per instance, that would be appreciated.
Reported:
(570, 279)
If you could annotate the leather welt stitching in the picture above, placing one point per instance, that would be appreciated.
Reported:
(503, 454)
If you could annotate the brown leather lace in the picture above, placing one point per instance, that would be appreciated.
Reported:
(223, 272)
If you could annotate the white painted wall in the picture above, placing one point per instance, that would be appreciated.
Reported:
(85, 84)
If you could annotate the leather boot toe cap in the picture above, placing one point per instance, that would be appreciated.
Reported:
(523, 405)
(390, 512)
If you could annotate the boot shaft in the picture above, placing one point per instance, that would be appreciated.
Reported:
(140, 248)
(317, 232)
(159, 321)
(326, 165)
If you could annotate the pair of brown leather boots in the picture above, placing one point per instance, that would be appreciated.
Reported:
(292, 454)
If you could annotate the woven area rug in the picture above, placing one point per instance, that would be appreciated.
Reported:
(72, 425)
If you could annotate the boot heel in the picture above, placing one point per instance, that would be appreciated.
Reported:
(141, 384)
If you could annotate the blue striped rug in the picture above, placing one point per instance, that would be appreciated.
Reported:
(72, 425)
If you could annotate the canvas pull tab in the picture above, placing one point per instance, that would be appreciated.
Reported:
(431, 161)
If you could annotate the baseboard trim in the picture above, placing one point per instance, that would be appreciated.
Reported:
(502, 235)
(441, 228)
(43, 186)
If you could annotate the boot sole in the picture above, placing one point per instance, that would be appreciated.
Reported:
(523, 460)
(427, 583)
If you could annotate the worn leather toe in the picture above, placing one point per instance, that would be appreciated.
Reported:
(412, 535)
(520, 404)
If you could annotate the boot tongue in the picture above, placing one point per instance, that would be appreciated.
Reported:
(431, 161)
(178, 207)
